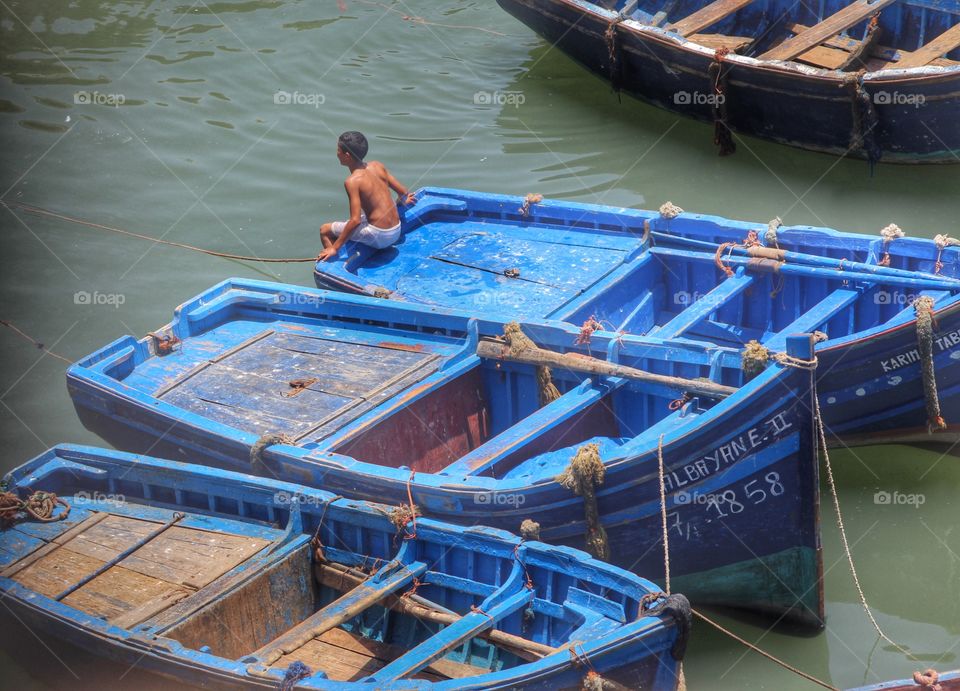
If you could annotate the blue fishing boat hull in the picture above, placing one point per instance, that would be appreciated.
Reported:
(947, 681)
(582, 262)
(294, 544)
(911, 113)
(465, 439)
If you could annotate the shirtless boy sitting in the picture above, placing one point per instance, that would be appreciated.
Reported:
(373, 218)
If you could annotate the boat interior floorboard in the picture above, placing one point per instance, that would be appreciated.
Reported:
(345, 656)
(158, 573)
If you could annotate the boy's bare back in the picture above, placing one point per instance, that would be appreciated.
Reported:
(373, 185)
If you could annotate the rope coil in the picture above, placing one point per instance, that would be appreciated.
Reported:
(669, 210)
(40, 506)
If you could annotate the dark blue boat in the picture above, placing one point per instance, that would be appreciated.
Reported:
(876, 79)
(223, 579)
(400, 403)
(589, 265)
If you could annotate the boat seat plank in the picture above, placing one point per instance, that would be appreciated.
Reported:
(704, 307)
(451, 636)
(834, 52)
(816, 317)
(839, 21)
(716, 41)
(345, 656)
(707, 16)
(386, 581)
(940, 46)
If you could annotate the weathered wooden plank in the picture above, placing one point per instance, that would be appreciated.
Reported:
(839, 21)
(732, 43)
(345, 656)
(57, 570)
(343, 609)
(181, 556)
(707, 16)
(61, 539)
(118, 591)
(940, 46)
(164, 600)
(827, 58)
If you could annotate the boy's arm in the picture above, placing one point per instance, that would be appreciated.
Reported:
(353, 194)
(404, 196)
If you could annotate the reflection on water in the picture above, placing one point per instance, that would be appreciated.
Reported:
(215, 125)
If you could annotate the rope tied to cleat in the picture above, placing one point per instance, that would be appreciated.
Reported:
(942, 242)
(528, 201)
(889, 234)
(40, 506)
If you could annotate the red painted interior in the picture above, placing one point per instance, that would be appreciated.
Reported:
(430, 433)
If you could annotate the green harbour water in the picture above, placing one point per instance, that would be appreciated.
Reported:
(214, 124)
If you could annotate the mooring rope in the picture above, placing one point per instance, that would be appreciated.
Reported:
(772, 658)
(722, 136)
(822, 438)
(663, 517)
(213, 253)
(923, 309)
(35, 342)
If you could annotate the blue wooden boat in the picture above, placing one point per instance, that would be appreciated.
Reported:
(927, 680)
(223, 579)
(587, 264)
(876, 79)
(395, 402)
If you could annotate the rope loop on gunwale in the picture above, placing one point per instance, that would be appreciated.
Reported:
(584, 474)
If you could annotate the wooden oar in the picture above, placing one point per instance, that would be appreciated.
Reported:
(533, 355)
(815, 260)
(832, 274)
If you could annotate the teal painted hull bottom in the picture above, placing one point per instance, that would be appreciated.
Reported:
(763, 582)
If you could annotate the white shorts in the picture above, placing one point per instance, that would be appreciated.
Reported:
(368, 234)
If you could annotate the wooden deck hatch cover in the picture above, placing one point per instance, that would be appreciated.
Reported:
(161, 572)
(339, 380)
